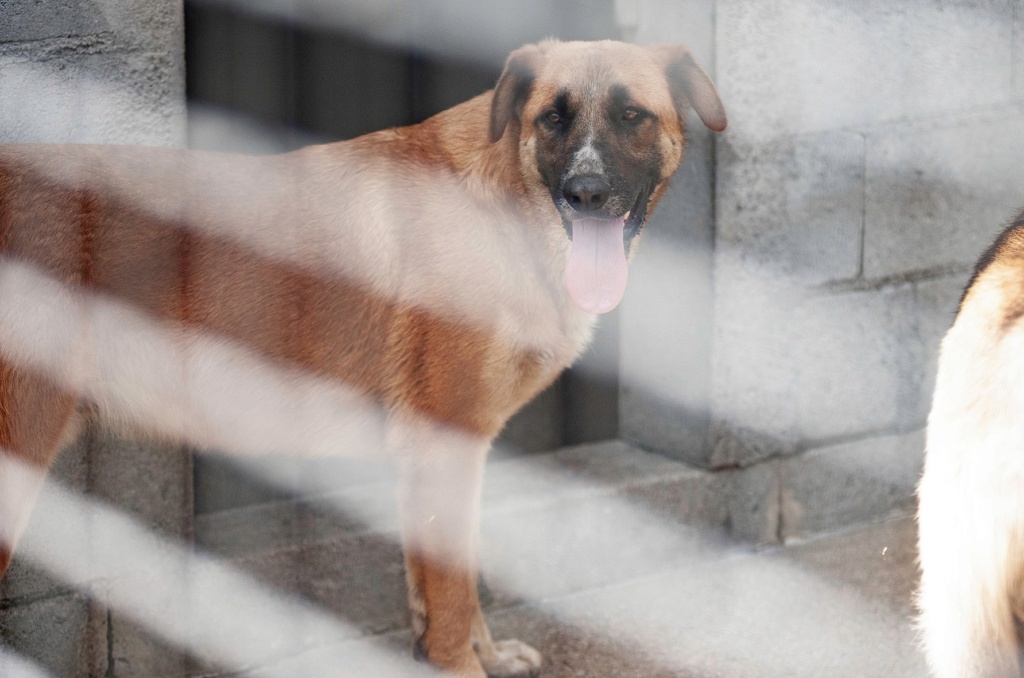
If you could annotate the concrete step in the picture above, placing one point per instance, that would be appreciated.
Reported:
(838, 605)
(552, 524)
(612, 561)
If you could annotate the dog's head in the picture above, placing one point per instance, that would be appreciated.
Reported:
(599, 127)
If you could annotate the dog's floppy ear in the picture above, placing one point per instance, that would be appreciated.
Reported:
(691, 86)
(513, 88)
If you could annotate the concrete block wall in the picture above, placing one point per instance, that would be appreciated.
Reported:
(873, 153)
(94, 71)
(666, 318)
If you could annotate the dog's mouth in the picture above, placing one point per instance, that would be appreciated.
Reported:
(596, 272)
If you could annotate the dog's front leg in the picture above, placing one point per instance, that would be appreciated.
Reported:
(439, 501)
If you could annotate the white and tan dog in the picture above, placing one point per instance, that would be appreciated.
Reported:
(971, 512)
(439, 275)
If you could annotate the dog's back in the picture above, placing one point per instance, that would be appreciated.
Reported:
(971, 512)
(331, 262)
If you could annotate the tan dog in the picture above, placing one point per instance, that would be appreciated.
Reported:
(971, 512)
(407, 291)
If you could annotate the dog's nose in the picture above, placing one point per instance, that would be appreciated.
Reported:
(586, 193)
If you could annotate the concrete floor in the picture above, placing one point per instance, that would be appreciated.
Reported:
(836, 606)
(607, 576)
(839, 605)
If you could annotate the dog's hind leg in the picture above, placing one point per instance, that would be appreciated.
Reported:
(970, 544)
(37, 419)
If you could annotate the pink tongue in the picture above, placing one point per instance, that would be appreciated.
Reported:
(596, 273)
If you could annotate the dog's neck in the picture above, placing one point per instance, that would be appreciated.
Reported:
(456, 141)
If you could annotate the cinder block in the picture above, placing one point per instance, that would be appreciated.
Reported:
(131, 24)
(1018, 53)
(126, 98)
(794, 206)
(65, 635)
(859, 360)
(809, 65)
(753, 401)
(26, 20)
(793, 368)
(936, 301)
(753, 495)
(835, 486)
(137, 653)
(357, 577)
(937, 194)
(690, 23)
(790, 217)
(25, 580)
(147, 25)
(593, 515)
(275, 526)
(152, 482)
(666, 318)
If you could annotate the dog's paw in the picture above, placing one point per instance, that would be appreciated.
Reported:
(511, 659)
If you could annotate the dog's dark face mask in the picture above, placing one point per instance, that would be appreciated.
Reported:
(602, 148)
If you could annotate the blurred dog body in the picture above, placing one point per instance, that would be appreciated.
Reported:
(402, 293)
(971, 496)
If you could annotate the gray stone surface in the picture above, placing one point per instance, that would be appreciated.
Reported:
(836, 606)
(690, 23)
(552, 524)
(754, 494)
(150, 26)
(119, 97)
(866, 359)
(151, 482)
(855, 187)
(831, 487)
(938, 193)
(64, 635)
(63, 18)
(753, 416)
(136, 653)
(360, 578)
(937, 302)
(795, 205)
(872, 155)
(799, 369)
(1018, 52)
(665, 330)
(799, 66)
(859, 362)
(606, 543)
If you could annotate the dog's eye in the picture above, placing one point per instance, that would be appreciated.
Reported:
(554, 118)
(630, 114)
